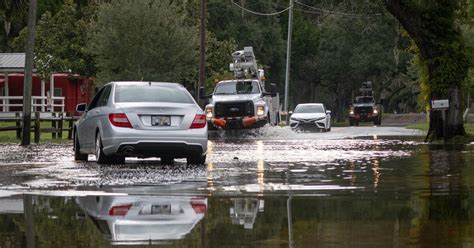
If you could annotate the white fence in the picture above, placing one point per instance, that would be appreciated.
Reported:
(38, 103)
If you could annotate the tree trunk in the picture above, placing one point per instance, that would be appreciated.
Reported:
(432, 27)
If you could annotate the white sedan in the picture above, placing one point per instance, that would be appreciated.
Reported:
(311, 116)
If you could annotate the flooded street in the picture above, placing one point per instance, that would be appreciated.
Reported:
(351, 187)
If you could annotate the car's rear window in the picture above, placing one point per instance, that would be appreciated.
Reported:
(151, 93)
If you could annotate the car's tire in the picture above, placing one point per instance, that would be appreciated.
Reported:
(78, 156)
(378, 122)
(101, 157)
(329, 129)
(196, 159)
(167, 160)
(356, 123)
(351, 123)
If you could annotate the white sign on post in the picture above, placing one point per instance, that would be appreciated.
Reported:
(439, 104)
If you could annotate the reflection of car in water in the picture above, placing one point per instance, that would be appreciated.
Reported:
(245, 211)
(143, 219)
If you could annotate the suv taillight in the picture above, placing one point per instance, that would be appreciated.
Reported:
(119, 120)
(199, 121)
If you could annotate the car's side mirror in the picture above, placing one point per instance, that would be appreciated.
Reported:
(202, 93)
(328, 112)
(81, 107)
(273, 90)
(290, 113)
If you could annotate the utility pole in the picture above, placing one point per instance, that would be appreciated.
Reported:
(288, 57)
(202, 52)
(30, 47)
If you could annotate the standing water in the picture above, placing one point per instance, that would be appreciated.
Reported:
(271, 188)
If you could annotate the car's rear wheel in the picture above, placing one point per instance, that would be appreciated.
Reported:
(167, 160)
(78, 156)
(196, 159)
(101, 157)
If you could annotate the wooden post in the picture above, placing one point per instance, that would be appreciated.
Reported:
(27, 83)
(202, 52)
(445, 132)
(37, 127)
(71, 123)
(60, 126)
(18, 126)
(53, 125)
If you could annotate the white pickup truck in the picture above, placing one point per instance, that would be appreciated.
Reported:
(239, 104)
(243, 102)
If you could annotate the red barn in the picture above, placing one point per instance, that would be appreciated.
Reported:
(60, 92)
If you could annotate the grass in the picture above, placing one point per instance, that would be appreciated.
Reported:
(10, 136)
(469, 127)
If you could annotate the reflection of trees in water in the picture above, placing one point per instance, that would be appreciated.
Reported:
(448, 222)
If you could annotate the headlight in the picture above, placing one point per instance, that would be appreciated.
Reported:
(376, 111)
(260, 110)
(351, 112)
(209, 113)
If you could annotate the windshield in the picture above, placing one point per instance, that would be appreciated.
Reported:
(152, 93)
(240, 87)
(364, 100)
(309, 109)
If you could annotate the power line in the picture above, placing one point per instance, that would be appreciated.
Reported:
(327, 14)
(259, 13)
(321, 11)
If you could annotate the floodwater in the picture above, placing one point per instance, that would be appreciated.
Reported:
(351, 187)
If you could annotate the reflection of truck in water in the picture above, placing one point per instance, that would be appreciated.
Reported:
(364, 107)
(242, 102)
(245, 210)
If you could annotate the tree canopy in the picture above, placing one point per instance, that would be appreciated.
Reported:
(412, 50)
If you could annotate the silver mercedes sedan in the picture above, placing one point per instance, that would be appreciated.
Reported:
(141, 119)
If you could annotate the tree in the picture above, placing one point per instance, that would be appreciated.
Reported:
(143, 40)
(61, 41)
(10, 11)
(433, 27)
(263, 33)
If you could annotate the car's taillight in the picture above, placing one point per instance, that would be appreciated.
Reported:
(120, 210)
(199, 121)
(198, 205)
(119, 120)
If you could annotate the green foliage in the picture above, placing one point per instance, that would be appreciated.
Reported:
(61, 41)
(12, 19)
(143, 40)
(263, 33)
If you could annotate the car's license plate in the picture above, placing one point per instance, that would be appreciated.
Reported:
(160, 120)
(161, 209)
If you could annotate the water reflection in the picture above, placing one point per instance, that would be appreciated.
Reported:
(143, 219)
(422, 200)
(245, 210)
